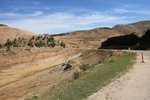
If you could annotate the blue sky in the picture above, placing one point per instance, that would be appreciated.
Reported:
(58, 16)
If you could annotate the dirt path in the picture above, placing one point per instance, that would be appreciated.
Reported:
(135, 85)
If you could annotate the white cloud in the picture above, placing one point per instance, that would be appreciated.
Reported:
(18, 15)
(64, 22)
(37, 13)
(129, 9)
(121, 10)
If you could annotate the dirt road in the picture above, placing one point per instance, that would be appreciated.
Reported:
(135, 85)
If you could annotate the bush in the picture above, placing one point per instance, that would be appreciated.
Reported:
(30, 43)
(33, 37)
(84, 67)
(14, 43)
(62, 45)
(0, 46)
(8, 43)
(76, 75)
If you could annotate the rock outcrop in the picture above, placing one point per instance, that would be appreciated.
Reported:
(121, 42)
(144, 43)
(131, 41)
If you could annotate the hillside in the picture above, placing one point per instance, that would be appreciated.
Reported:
(87, 39)
(93, 38)
(11, 33)
(138, 28)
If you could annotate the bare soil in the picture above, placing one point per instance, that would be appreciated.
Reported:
(39, 69)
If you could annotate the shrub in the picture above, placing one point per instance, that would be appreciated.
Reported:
(30, 43)
(33, 37)
(0, 46)
(76, 75)
(14, 42)
(8, 43)
(84, 67)
(62, 45)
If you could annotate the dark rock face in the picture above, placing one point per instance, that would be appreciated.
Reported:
(121, 42)
(144, 41)
(131, 41)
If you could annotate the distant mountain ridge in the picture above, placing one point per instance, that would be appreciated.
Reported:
(93, 38)
(83, 38)
(139, 28)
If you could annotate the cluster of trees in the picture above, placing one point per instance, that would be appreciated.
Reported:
(34, 41)
(42, 41)
(2, 25)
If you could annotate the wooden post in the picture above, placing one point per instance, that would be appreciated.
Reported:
(142, 57)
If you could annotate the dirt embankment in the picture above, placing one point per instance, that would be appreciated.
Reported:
(23, 55)
(45, 70)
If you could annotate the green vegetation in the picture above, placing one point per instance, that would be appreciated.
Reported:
(76, 75)
(34, 41)
(62, 45)
(2, 25)
(85, 67)
(91, 81)
(0, 46)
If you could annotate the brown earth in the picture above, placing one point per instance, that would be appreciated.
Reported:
(35, 76)
(87, 39)
(11, 33)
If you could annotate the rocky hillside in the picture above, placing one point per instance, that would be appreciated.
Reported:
(145, 41)
(131, 41)
(121, 42)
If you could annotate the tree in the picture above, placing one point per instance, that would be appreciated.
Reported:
(53, 44)
(37, 38)
(33, 37)
(14, 42)
(62, 45)
(8, 48)
(8, 43)
(2, 25)
(30, 43)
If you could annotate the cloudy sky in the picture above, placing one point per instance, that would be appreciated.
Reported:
(58, 16)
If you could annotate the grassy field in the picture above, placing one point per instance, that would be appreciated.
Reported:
(91, 81)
